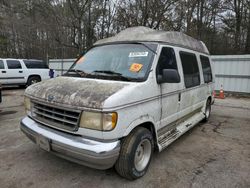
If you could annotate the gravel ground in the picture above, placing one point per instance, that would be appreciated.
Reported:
(214, 154)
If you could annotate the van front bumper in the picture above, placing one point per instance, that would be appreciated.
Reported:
(91, 153)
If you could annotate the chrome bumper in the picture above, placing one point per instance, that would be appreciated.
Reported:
(94, 154)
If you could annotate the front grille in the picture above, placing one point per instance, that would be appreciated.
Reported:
(55, 117)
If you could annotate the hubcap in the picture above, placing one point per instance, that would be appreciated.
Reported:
(33, 81)
(142, 155)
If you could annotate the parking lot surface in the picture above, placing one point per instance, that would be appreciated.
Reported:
(212, 154)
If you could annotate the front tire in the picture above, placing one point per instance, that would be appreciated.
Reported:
(33, 80)
(136, 153)
(207, 110)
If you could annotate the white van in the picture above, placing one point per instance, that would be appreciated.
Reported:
(22, 71)
(127, 96)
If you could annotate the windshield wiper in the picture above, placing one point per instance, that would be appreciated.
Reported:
(108, 72)
(112, 73)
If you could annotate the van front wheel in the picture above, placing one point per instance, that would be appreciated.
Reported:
(135, 155)
(207, 110)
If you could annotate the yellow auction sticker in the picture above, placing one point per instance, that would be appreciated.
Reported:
(135, 67)
(81, 60)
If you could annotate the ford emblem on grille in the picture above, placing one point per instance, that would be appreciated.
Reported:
(50, 98)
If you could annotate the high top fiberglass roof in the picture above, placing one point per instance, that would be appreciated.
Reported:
(145, 34)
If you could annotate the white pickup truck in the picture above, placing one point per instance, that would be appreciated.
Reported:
(22, 71)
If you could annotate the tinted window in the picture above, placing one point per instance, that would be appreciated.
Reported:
(1, 64)
(190, 69)
(167, 60)
(206, 68)
(13, 64)
(30, 64)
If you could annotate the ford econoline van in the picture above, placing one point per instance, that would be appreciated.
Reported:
(128, 96)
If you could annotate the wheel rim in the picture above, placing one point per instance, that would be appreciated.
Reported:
(33, 81)
(142, 155)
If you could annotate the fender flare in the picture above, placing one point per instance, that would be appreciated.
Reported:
(142, 119)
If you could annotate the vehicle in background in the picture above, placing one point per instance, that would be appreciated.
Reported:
(23, 71)
(127, 96)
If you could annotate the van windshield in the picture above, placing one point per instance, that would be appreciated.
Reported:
(126, 62)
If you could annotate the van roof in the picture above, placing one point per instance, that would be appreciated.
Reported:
(20, 59)
(145, 34)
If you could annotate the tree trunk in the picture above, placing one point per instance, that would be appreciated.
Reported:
(238, 20)
(247, 48)
(103, 19)
(200, 11)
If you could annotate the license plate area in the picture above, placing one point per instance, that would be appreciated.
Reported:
(43, 142)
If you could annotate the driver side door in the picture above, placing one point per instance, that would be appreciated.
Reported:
(170, 92)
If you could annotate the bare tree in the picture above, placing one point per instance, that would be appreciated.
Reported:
(66, 28)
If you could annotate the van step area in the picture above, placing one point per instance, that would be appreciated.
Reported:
(167, 138)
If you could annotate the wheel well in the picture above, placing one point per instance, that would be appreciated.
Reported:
(151, 128)
(34, 75)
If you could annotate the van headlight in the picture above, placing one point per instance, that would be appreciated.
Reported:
(98, 121)
(27, 105)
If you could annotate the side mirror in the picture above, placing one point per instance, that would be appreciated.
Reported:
(168, 76)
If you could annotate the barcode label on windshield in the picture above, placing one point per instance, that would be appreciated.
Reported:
(138, 54)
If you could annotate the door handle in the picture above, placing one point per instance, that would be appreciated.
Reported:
(20, 71)
(3, 71)
(179, 97)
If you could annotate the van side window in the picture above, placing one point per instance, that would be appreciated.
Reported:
(167, 60)
(1, 64)
(35, 64)
(206, 68)
(13, 64)
(190, 69)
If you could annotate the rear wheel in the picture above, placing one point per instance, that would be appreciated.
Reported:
(33, 80)
(135, 155)
(207, 110)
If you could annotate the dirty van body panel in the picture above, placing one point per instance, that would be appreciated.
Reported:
(133, 116)
(193, 99)
(137, 105)
(133, 105)
(75, 92)
(170, 110)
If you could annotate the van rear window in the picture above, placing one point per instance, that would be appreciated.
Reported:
(190, 69)
(206, 68)
(31, 64)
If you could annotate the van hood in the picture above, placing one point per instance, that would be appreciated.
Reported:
(77, 92)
